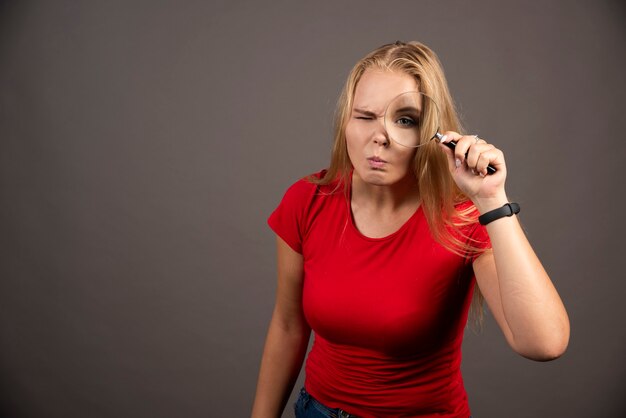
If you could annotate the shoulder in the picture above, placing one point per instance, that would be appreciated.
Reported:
(465, 214)
(312, 185)
(466, 220)
(302, 201)
(303, 188)
(301, 195)
(465, 207)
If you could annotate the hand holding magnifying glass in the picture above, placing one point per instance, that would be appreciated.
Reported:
(412, 120)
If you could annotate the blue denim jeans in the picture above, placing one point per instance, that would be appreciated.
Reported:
(308, 407)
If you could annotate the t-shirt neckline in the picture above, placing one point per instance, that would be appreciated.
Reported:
(356, 230)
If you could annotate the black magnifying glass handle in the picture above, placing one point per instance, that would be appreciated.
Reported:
(452, 145)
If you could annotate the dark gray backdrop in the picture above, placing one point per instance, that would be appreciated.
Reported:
(143, 145)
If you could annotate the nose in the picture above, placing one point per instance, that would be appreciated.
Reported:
(380, 137)
(382, 141)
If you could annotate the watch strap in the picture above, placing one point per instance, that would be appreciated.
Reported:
(509, 209)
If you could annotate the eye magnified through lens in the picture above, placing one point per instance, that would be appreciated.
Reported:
(412, 119)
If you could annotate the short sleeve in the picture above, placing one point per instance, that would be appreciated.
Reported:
(288, 219)
(479, 238)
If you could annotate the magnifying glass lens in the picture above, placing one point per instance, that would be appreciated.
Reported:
(411, 119)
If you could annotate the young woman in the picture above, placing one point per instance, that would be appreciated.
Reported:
(379, 254)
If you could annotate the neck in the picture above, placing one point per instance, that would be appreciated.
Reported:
(392, 197)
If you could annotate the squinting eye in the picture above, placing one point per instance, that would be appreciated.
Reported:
(363, 118)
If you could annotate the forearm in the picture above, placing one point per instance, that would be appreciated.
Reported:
(531, 306)
(285, 349)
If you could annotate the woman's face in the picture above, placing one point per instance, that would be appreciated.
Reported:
(376, 159)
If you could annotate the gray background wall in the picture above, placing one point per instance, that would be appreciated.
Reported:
(143, 145)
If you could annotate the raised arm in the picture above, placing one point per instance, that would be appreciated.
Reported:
(515, 285)
(287, 338)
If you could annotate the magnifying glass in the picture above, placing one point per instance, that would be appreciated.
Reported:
(412, 119)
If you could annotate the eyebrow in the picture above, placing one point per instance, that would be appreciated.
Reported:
(410, 108)
(365, 112)
(401, 110)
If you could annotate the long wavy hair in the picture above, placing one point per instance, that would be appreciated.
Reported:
(439, 195)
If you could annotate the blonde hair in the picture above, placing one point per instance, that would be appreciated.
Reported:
(438, 192)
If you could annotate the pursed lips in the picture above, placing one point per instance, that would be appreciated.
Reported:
(376, 162)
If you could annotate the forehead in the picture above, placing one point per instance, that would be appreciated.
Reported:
(376, 88)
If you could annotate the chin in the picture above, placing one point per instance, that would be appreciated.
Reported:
(377, 177)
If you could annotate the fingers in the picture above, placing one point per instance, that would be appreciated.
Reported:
(491, 157)
(478, 157)
(473, 152)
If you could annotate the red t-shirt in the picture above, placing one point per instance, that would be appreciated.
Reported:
(388, 313)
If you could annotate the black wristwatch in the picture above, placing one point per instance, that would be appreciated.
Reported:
(509, 209)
